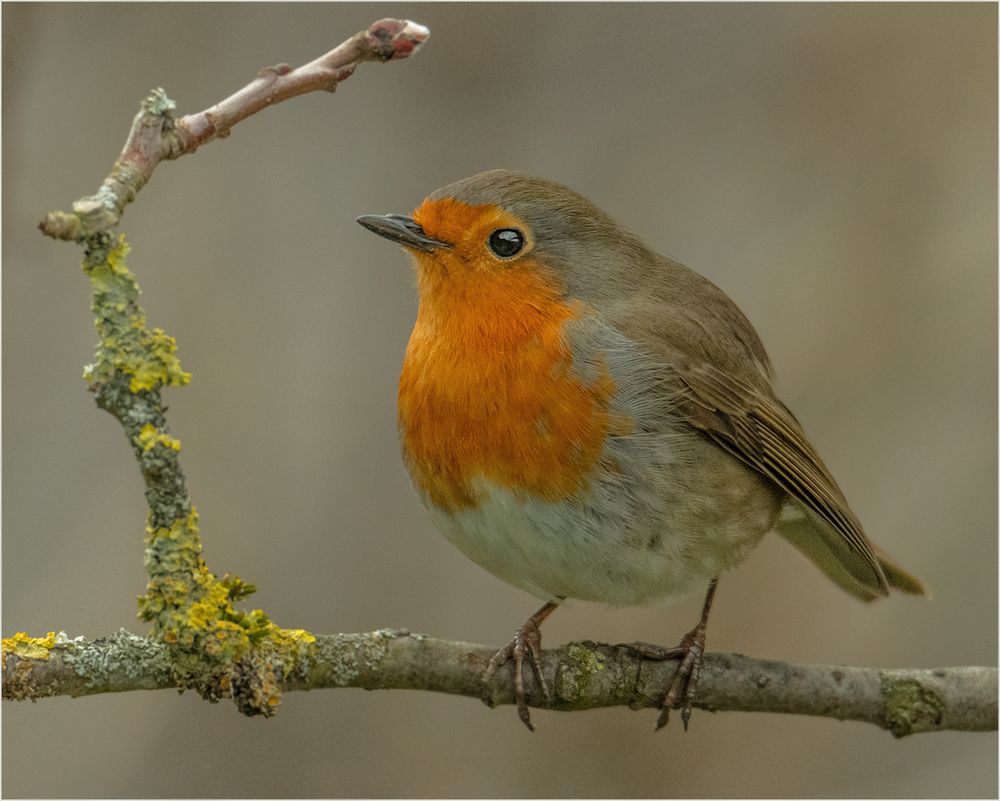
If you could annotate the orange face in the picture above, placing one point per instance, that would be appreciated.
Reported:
(488, 389)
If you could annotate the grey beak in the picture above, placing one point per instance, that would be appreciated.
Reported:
(403, 230)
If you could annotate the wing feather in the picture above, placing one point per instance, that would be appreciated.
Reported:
(760, 431)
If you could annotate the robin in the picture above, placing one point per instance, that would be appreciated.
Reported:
(586, 418)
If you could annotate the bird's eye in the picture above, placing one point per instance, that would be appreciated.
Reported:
(506, 242)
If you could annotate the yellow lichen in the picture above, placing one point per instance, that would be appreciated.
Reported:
(293, 637)
(24, 645)
(296, 643)
(161, 367)
(192, 609)
(149, 438)
(205, 613)
(148, 357)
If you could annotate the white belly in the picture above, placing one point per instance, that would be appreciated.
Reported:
(544, 549)
(649, 532)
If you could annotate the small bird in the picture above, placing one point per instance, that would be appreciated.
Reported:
(588, 419)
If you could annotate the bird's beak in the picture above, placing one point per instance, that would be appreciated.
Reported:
(401, 229)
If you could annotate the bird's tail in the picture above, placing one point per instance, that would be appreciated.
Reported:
(828, 550)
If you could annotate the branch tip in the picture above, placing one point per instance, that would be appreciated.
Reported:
(395, 39)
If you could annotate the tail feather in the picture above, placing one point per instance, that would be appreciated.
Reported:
(830, 553)
(897, 577)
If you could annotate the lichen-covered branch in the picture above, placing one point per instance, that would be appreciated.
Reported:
(581, 675)
(206, 642)
(211, 642)
(156, 135)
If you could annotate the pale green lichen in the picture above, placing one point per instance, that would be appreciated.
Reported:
(373, 649)
(158, 103)
(128, 659)
(907, 704)
(126, 344)
(343, 658)
(577, 671)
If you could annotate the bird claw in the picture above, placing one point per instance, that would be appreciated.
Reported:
(527, 644)
(684, 683)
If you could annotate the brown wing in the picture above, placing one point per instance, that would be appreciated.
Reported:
(759, 430)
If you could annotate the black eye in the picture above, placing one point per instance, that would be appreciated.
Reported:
(506, 242)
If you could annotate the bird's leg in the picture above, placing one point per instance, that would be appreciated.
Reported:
(684, 684)
(527, 642)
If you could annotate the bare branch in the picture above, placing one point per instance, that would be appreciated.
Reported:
(581, 675)
(155, 134)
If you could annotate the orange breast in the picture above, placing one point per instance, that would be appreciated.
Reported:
(488, 391)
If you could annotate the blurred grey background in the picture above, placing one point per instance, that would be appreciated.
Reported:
(831, 167)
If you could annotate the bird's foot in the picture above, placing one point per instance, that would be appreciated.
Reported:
(683, 687)
(526, 646)
(684, 683)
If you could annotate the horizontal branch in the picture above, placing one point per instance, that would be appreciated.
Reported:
(581, 675)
